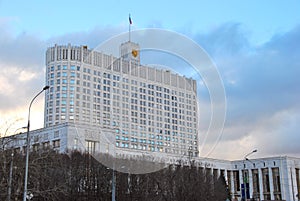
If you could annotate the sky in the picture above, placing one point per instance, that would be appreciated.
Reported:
(254, 44)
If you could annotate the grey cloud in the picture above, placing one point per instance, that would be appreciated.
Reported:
(23, 50)
(267, 82)
(228, 39)
(260, 82)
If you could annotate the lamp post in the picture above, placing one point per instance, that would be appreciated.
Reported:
(113, 190)
(10, 176)
(244, 176)
(28, 143)
(11, 170)
(113, 184)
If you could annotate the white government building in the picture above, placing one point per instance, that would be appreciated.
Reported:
(101, 103)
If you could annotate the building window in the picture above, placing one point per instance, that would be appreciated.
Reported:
(56, 143)
(46, 145)
(90, 146)
(56, 134)
(36, 147)
(36, 138)
(45, 136)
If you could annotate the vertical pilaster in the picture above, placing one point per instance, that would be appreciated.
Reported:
(261, 185)
(250, 183)
(271, 183)
(226, 176)
(241, 181)
(218, 173)
(232, 189)
(293, 183)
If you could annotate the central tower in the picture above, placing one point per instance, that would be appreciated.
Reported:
(130, 51)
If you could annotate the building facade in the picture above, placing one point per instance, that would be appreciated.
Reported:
(147, 108)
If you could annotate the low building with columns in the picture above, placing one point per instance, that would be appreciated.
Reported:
(270, 178)
(273, 178)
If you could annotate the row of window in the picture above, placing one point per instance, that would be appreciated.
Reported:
(114, 77)
(181, 134)
(153, 148)
(63, 90)
(63, 67)
(46, 145)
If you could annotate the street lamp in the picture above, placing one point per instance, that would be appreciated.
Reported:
(244, 176)
(113, 184)
(11, 170)
(113, 190)
(28, 144)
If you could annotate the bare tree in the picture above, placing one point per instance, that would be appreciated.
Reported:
(78, 176)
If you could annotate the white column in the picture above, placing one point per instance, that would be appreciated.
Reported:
(218, 173)
(261, 186)
(250, 183)
(271, 183)
(241, 181)
(232, 184)
(226, 177)
(293, 183)
(283, 172)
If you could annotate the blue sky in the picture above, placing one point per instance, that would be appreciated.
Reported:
(52, 18)
(255, 45)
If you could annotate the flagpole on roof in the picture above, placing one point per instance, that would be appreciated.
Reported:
(130, 23)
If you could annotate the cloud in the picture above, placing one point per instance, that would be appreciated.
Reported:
(262, 87)
(21, 75)
(225, 40)
(281, 132)
(261, 82)
(24, 50)
(22, 68)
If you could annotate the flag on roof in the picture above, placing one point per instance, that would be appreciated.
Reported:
(130, 21)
